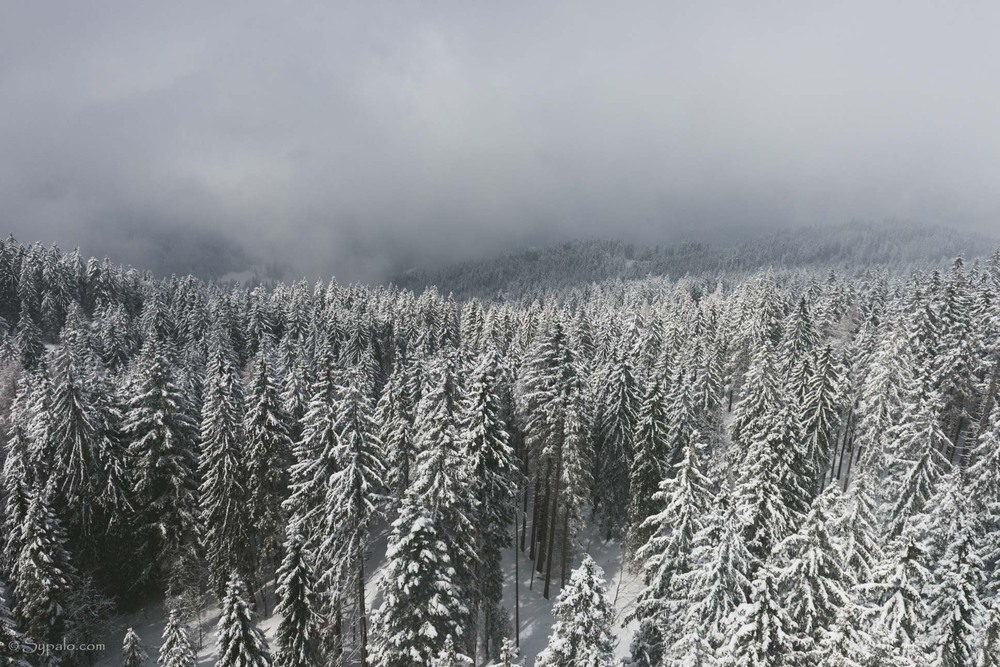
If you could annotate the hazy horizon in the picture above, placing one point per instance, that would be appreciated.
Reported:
(359, 138)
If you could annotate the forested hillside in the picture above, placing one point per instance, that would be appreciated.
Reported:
(802, 465)
(849, 248)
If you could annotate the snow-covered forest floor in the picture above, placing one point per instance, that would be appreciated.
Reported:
(623, 587)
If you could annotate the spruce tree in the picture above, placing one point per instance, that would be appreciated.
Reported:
(11, 640)
(686, 498)
(485, 444)
(582, 633)
(223, 470)
(900, 612)
(353, 499)
(268, 455)
(615, 444)
(650, 465)
(762, 634)
(296, 643)
(955, 606)
(812, 577)
(160, 428)
(133, 652)
(44, 579)
(720, 582)
(422, 604)
(240, 642)
(176, 649)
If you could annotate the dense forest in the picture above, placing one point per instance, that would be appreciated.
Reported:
(801, 465)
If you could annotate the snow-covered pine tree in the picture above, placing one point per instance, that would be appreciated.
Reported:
(17, 476)
(812, 577)
(900, 613)
(240, 642)
(133, 652)
(686, 497)
(315, 455)
(760, 399)
(820, 414)
(857, 528)
(649, 467)
(176, 649)
(955, 606)
(160, 428)
(762, 634)
(485, 445)
(440, 484)
(43, 576)
(771, 489)
(268, 455)
(394, 416)
(11, 640)
(720, 582)
(297, 636)
(917, 462)
(582, 633)
(353, 499)
(615, 440)
(223, 470)
(988, 643)
(422, 604)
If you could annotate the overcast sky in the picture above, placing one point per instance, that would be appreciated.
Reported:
(346, 137)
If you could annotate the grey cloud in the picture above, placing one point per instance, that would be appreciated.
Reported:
(349, 138)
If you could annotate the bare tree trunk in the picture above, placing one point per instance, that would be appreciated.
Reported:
(535, 509)
(565, 549)
(362, 618)
(524, 520)
(843, 445)
(544, 519)
(552, 525)
(517, 583)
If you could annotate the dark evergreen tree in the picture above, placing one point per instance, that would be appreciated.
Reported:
(223, 501)
(160, 428)
(297, 635)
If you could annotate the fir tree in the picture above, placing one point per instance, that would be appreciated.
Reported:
(815, 584)
(900, 612)
(720, 582)
(956, 608)
(616, 422)
(686, 498)
(582, 633)
(485, 444)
